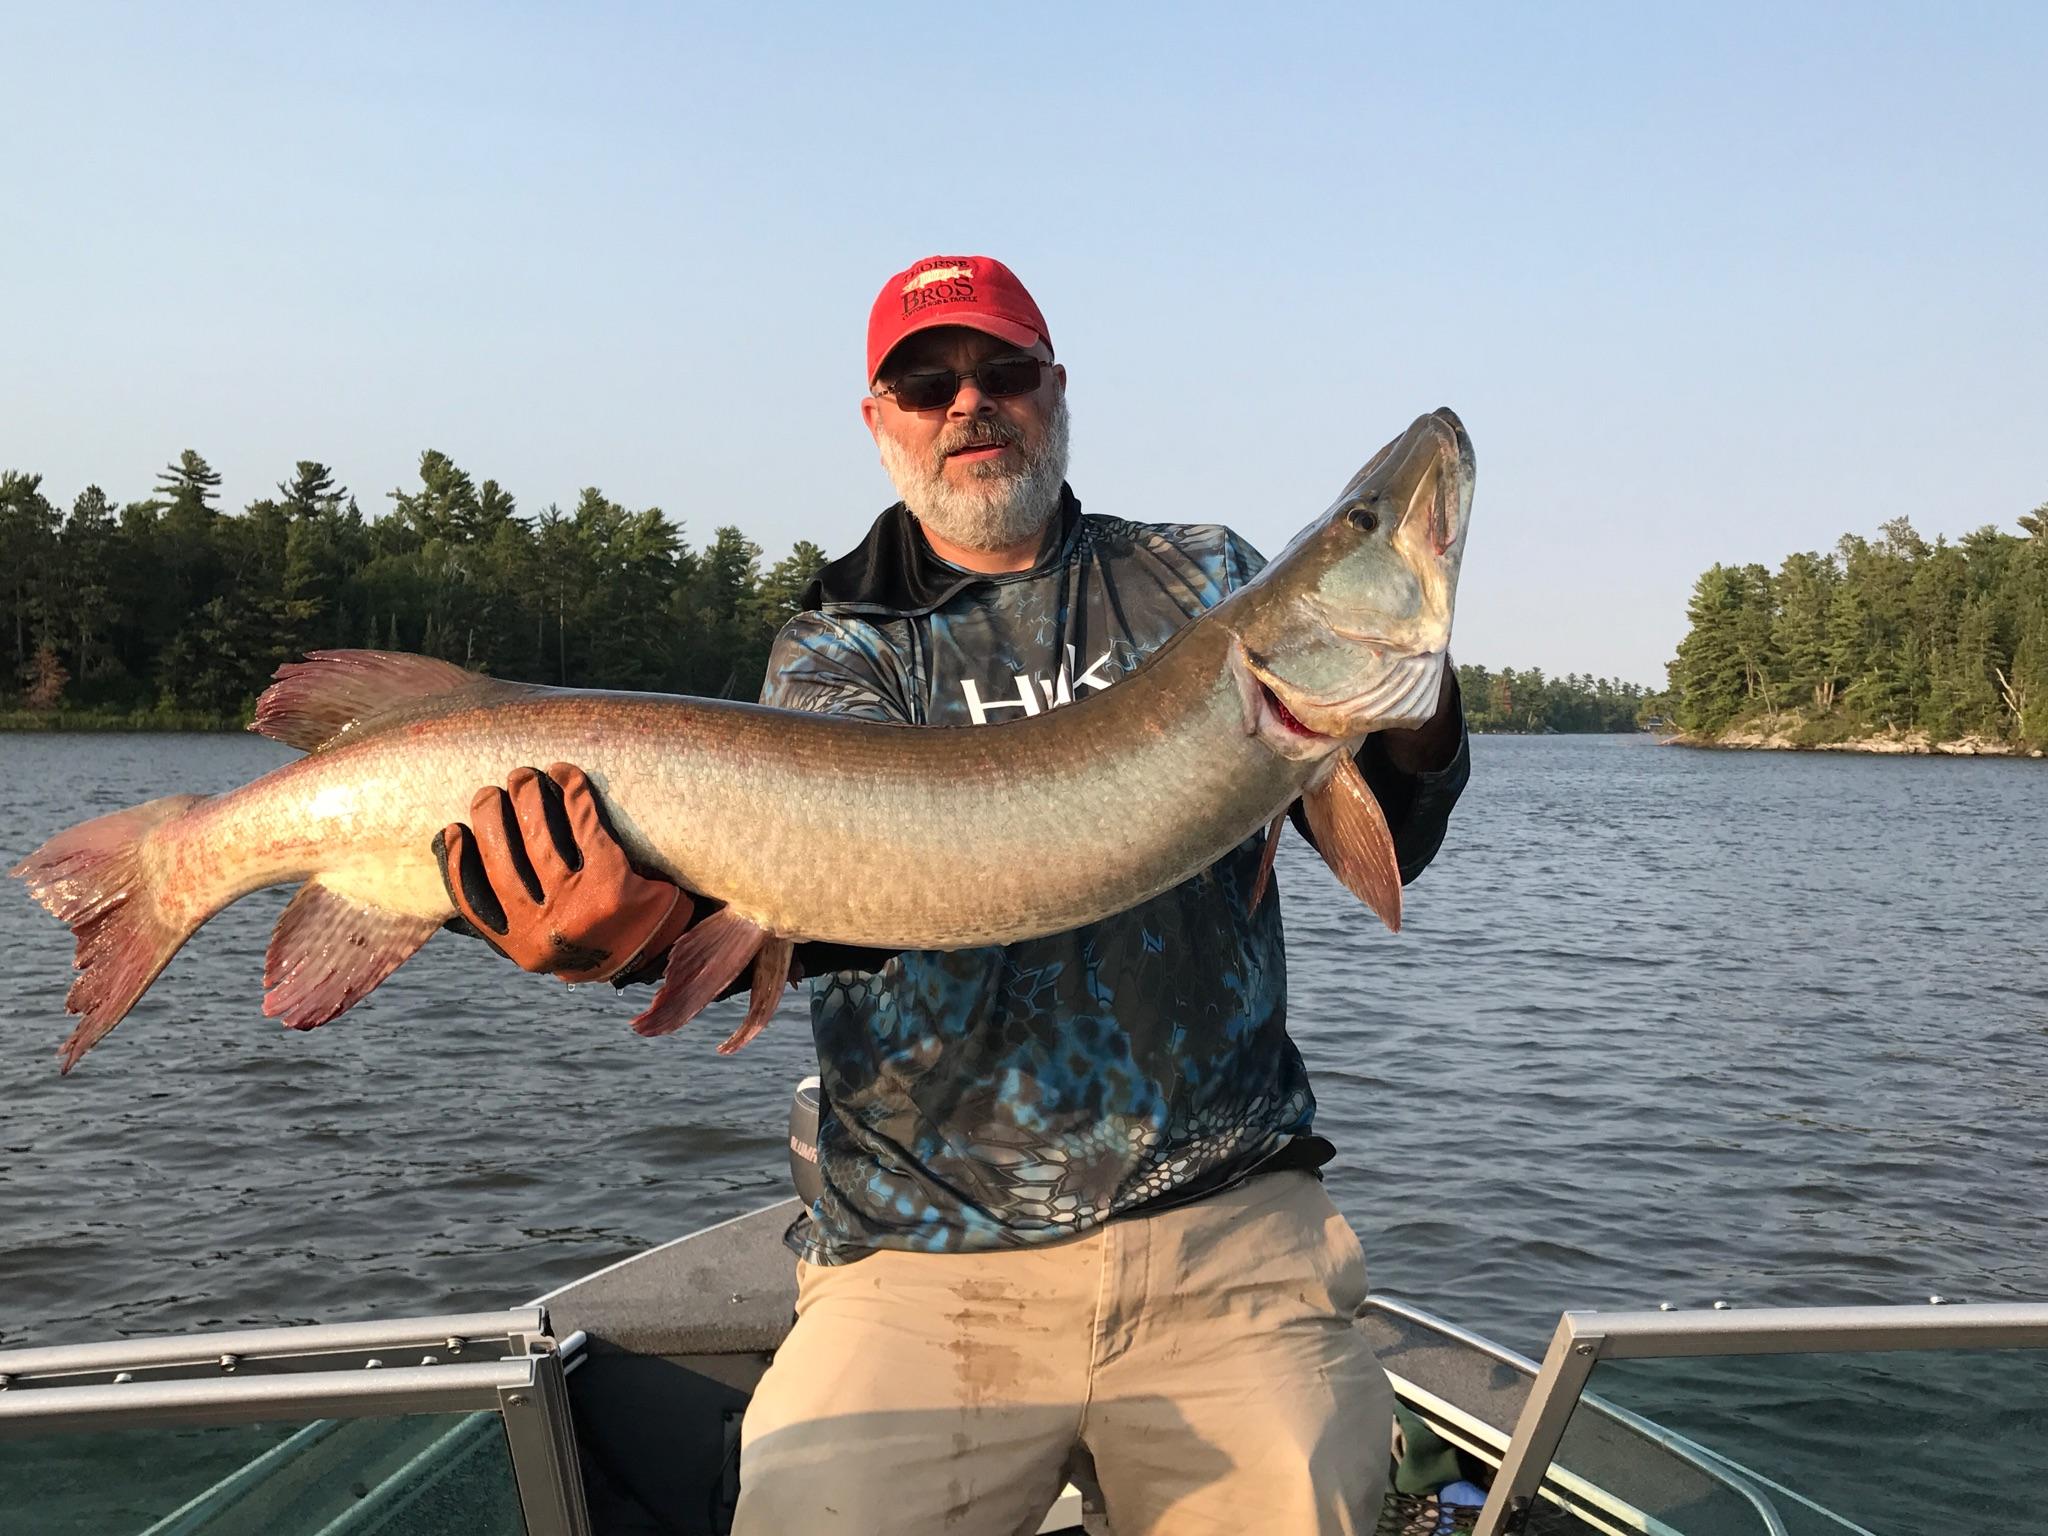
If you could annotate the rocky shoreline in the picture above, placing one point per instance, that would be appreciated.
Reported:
(1759, 737)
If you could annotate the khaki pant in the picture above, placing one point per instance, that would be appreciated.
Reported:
(1204, 1357)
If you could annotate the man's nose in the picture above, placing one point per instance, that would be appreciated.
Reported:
(970, 402)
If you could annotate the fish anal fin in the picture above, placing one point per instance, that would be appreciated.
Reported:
(1265, 875)
(331, 950)
(702, 964)
(336, 695)
(771, 975)
(1352, 836)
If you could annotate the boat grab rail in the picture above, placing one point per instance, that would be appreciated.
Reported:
(518, 1329)
(398, 1390)
(1410, 1312)
(1584, 1339)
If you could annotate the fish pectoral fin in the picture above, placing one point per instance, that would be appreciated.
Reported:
(1265, 875)
(330, 951)
(702, 964)
(1352, 836)
(771, 975)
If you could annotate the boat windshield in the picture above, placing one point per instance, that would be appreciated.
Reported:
(409, 1475)
(441, 1426)
(1921, 1421)
(1935, 1443)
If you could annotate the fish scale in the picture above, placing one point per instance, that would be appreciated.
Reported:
(937, 839)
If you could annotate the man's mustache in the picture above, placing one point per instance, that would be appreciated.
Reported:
(977, 434)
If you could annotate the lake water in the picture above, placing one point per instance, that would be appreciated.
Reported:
(1663, 1026)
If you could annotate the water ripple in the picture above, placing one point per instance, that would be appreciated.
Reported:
(1662, 1026)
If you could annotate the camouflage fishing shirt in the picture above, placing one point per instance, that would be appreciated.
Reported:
(989, 1098)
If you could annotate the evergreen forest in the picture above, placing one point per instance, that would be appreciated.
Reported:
(1885, 636)
(1528, 703)
(174, 612)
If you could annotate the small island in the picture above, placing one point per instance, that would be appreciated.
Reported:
(1891, 645)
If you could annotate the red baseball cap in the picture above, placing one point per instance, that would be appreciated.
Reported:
(978, 292)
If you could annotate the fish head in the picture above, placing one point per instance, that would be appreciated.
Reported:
(1347, 631)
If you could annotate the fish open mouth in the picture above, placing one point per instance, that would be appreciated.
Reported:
(1402, 693)
(1268, 716)
(1285, 716)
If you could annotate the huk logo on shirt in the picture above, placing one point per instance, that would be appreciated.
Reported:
(1035, 695)
(948, 280)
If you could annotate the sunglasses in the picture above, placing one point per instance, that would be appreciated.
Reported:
(1001, 378)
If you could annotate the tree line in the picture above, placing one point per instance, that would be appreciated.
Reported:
(173, 606)
(1877, 635)
(175, 609)
(1530, 703)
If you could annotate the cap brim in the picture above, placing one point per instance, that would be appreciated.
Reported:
(1014, 332)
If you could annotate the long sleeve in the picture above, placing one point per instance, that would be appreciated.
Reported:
(1417, 805)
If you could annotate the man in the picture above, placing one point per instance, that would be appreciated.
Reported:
(1070, 1206)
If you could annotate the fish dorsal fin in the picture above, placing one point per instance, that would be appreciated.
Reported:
(333, 696)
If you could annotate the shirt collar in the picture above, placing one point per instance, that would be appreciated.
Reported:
(893, 570)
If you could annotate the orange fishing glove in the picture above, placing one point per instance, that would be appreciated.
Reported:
(545, 883)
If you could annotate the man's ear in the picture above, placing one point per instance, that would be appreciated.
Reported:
(871, 414)
(1059, 371)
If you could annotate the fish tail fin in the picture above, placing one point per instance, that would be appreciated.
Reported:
(97, 880)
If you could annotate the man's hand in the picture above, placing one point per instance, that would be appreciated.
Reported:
(1429, 747)
(545, 883)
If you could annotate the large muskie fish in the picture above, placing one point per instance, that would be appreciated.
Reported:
(935, 839)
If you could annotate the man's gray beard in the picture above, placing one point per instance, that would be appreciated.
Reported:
(997, 508)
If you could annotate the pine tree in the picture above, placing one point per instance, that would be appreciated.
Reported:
(188, 554)
(1709, 677)
(2023, 687)
(28, 564)
(1972, 673)
(727, 647)
(784, 584)
(190, 483)
(445, 506)
(1806, 586)
(45, 678)
(1755, 638)
(87, 552)
(312, 492)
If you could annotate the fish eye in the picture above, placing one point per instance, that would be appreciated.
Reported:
(1362, 516)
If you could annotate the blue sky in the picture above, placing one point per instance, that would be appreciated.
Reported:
(1707, 283)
